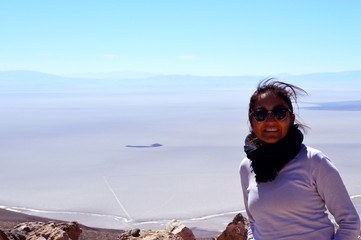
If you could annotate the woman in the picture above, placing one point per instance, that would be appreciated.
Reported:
(286, 184)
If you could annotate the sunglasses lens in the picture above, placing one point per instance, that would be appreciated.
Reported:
(280, 114)
(260, 115)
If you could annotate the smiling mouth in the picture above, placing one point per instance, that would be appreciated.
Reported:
(271, 130)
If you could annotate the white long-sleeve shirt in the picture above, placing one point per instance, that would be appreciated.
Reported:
(293, 206)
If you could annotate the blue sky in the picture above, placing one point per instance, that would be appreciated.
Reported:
(195, 37)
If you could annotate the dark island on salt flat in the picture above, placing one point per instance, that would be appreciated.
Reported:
(154, 145)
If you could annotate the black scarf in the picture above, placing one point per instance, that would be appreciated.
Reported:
(268, 159)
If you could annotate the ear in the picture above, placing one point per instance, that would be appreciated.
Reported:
(293, 117)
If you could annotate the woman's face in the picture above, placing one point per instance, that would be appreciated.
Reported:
(271, 130)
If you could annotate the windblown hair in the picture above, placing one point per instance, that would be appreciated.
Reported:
(288, 92)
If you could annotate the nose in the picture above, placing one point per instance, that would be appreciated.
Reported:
(270, 117)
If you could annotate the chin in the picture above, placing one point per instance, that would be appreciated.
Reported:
(270, 139)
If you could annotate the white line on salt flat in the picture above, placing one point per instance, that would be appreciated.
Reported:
(25, 210)
(355, 196)
(117, 199)
(216, 215)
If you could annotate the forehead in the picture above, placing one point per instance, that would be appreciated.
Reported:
(269, 101)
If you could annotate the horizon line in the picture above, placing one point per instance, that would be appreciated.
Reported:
(178, 74)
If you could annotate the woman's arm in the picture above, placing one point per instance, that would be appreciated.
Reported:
(333, 191)
(244, 172)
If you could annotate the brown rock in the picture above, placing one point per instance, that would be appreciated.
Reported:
(150, 235)
(72, 229)
(236, 230)
(180, 229)
(45, 231)
(3, 235)
(135, 232)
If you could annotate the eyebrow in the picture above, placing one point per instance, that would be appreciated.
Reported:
(275, 107)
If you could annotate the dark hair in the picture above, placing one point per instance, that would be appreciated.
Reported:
(287, 92)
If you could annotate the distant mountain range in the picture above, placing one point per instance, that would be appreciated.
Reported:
(113, 75)
(337, 106)
(30, 81)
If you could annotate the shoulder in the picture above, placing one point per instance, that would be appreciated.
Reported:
(245, 162)
(312, 155)
(319, 163)
(246, 172)
(245, 166)
(313, 152)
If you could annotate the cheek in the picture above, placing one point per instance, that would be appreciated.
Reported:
(256, 126)
(285, 127)
(252, 124)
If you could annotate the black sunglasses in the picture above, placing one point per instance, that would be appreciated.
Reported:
(279, 114)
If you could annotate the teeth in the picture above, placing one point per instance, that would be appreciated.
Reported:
(271, 130)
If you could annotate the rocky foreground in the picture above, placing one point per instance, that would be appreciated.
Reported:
(43, 229)
(16, 226)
